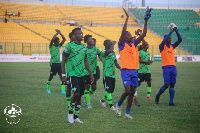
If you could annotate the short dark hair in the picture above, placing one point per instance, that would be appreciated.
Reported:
(106, 41)
(56, 39)
(75, 29)
(86, 37)
(70, 35)
(94, 39)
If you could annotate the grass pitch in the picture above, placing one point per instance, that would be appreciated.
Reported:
(24, 84)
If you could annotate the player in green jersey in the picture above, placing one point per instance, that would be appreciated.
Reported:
(97, 68)
(144, 71)
(55, 63)
(109, 61)
(66, 65)
(92, 53)
(76, 53)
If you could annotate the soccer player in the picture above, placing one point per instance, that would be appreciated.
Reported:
(55, 63)
(76, 52)
(66, 65)
(109, 61)
(92, 53)
(129, 57)
(97, 68)
(144, 71)
(168, 65)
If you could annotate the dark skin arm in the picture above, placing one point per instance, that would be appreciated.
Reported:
(52, 40)
(111, 48)
(163, 42)
(146, 62)
(87, 66)
(144, 32)
(138, 32)
(117, 65)
(64, 60)
(63, 38)
(125, 26)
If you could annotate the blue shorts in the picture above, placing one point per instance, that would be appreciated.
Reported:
(129, 77)
(169, 74)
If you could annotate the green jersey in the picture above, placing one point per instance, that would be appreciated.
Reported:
(77, 54)
(108, 64)
(92, 59)
(145, 56)
(55, 54)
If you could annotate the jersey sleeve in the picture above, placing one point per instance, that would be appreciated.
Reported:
(136, 42)
(140, 53)
(102, 54)
(67, 49)
(121, 45)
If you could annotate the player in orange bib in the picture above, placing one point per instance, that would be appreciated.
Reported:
(129, 57)
(168, 65)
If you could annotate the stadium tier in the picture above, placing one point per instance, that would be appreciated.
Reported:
(186, 20)
(95, 15)
(36, 29)
(43, 12)
(12, 32)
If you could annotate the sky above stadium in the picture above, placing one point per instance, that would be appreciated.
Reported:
(136, 3)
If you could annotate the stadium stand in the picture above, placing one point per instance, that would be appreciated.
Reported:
(31, 12)
(185, 19)
(88, 15)
(38, 23)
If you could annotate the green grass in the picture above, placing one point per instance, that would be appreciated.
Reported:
(24, 84)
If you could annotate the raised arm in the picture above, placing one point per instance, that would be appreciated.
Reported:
(124, 27)
(179, 40)
(63, 38)
(52, 40)
(111, 48)
(161, 46)
(140, 38)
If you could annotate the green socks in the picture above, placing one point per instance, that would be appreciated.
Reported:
(68, 101)
(71, 108)
(87, 96)
(109, 96)
(148, 91)
(62, 86)
(48, 85)
(104, 98)
(91, 91)
(77, 110)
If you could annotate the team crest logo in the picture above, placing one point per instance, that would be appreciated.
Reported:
(73, 89)
(107, 88)
(65, 49)
(12, 114)
(125, 82)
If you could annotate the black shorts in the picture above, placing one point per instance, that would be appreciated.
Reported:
(77, 84)
(144, 77)
(97, 72)
(109, 84)
(55, 68)
(88, 81)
